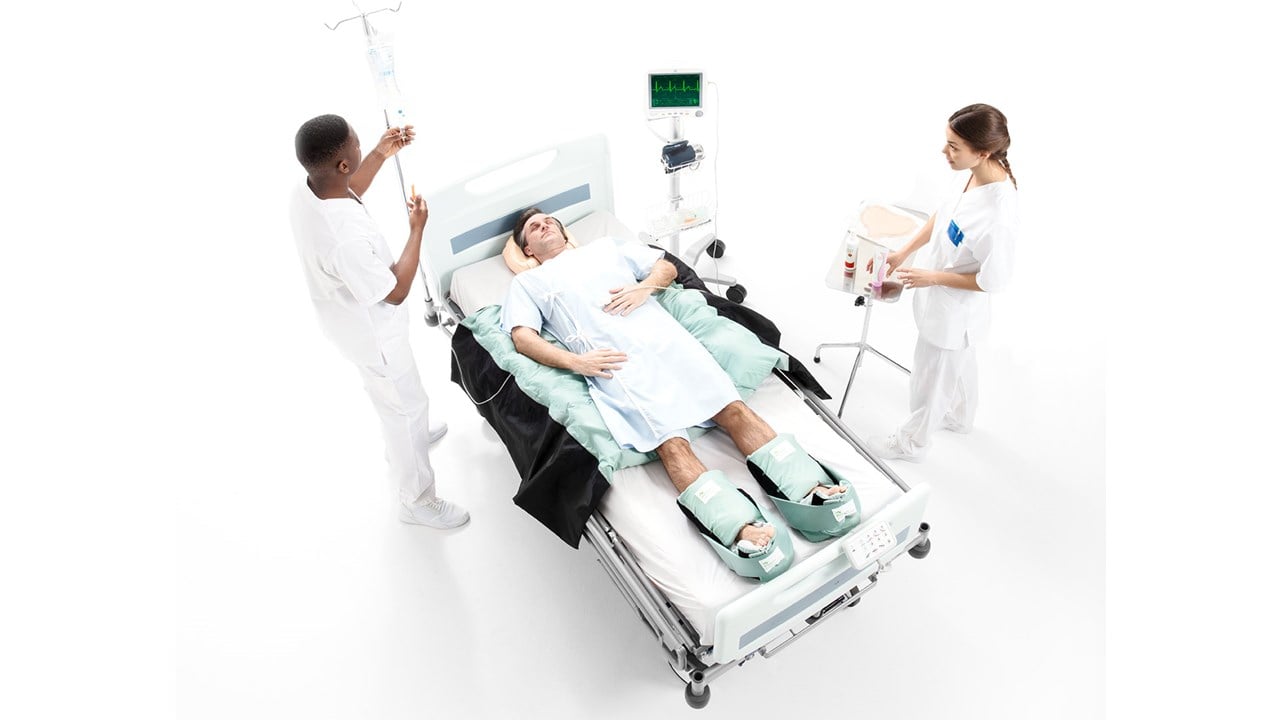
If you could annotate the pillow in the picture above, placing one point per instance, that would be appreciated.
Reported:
(518, 261)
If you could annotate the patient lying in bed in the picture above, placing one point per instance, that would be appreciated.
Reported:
(652, 380)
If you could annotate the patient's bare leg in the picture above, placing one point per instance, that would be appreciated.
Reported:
(684, 468)
(749, 431)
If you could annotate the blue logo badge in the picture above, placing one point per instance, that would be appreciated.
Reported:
(954, 232)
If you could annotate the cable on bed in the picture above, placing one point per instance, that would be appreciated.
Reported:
(463, 383)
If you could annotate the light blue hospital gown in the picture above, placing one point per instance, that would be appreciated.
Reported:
(669, 381)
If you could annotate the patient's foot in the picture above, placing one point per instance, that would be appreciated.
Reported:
(823, 493)
(757, 535)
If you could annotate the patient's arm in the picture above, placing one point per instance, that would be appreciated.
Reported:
(626, 299)
(597, 363)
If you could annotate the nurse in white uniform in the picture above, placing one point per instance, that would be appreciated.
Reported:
(967, 253)
(357, 287)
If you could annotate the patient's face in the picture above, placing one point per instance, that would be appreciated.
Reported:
(542, 237)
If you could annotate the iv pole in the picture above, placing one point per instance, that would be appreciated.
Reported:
(380, 55)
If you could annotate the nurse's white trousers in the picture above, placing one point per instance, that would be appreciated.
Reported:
(402, 405)
(944, 394)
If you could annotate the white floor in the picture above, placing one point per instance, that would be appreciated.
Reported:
(301, 596)
(193, 512)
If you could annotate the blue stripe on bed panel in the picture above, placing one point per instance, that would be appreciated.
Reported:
(493, 228)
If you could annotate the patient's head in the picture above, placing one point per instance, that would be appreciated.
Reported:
(539, 235)
(327, 146)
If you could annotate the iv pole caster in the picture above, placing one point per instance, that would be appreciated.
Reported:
(736, 293)
(716, 249)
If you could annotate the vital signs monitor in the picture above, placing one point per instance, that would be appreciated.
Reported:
(675, 93)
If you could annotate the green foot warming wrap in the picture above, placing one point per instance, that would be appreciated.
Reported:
(720, 511)
(789, 475)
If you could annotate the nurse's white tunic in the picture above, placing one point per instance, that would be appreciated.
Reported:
(973, 232)
(669, 381)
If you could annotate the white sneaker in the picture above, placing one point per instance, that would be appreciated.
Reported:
(436, 513)
(435, 432)
(887, 448)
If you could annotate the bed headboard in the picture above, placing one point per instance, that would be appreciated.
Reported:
(471, 220)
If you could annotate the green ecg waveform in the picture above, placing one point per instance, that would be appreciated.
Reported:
(672, 91)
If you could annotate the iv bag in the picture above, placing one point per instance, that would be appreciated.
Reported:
(382, 63)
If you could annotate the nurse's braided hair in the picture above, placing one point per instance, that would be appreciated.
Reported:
(985, 129)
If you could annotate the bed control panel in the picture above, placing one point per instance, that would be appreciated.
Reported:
(869, 544)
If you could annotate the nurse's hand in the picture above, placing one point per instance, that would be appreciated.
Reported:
(917, 277)
(394, 139)
(625, 299)
(891, 263)
(417, 212)
(600, 363)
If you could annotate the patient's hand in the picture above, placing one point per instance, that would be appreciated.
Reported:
(600, 363)
(626, 299)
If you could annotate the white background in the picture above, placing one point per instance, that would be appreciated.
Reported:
(194, 522)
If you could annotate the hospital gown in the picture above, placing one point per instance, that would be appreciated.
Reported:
(669, 381)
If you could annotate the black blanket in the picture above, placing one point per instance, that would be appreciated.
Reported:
(560, 483)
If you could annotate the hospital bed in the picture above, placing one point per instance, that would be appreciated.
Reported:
(707, 619)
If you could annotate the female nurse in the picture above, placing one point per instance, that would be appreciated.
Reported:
(966, 252)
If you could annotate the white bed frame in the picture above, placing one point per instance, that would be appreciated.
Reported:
(573, 180)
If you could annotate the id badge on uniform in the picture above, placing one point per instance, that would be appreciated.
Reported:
(955, 233)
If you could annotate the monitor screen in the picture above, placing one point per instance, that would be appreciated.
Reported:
(675, 93)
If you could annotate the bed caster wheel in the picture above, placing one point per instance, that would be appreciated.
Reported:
(919, 551)
(736, 293)
(817, 359)
(697, 702)
(716, 249)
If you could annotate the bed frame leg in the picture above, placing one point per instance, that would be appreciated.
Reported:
(922, 548)
(697, 693)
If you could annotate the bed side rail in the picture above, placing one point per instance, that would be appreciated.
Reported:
(821, 410)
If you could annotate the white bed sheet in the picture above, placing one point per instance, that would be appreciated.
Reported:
(640, 503)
